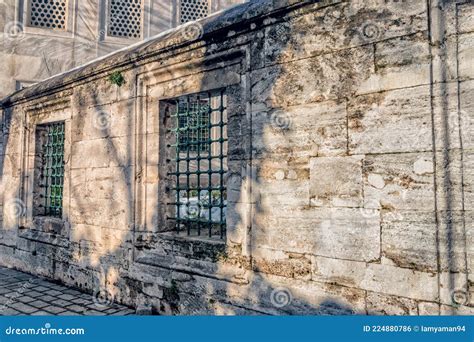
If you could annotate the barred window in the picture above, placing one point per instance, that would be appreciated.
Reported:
(125, 18)
(191, 10)
(195, 122)
(49, 169)
(48, 14)
(198, 151)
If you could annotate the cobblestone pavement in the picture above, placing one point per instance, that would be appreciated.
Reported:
(24, 294)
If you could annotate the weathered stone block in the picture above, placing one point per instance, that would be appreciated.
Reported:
(428, 309)
(310, 130)
(466, 50)
(450, 172)
(106, 152)
(385, 279)
(344, 233)
(106, 121)
(290, 265)
(336, 181)
(379, 304)
(341, 26)
(280, 295)
(389, 122)
(314, 79)
(468, 170)
(409, 239)
(466, 114)
(399, 181)
(403, 51)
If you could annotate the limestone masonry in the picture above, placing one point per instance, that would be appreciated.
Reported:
(279, 157)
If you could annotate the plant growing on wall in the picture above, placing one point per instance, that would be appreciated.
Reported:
(117, 78)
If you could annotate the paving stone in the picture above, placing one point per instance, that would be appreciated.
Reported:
(86, 296)
(77, 308)
(4, 290)
(39, 304)
(66, 296)
(61, 302)
(24, 308)
(54, 293)
(48, 298)
(13, 284)
(98, 307)
(61, 288)
(41, 288)
(34, 294)
(45, 283)
(68, 313)
(72, 292)
(124, 312)
(22, 294)
(12, 295)
(95, 313)
(81, 301)
(25, 299)
(40, 313)
(9, 312)
(54, 309)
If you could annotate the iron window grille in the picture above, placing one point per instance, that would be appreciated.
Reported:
(125, 18)
(199, 149)
(195, 123)
(52, 168)
(49, 14)
(191, 10)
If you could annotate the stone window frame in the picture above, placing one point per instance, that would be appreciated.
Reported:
(156, 86)
(37, 115)
(103, 34)
(25, 5)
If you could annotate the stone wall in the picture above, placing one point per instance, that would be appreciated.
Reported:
(351, 157)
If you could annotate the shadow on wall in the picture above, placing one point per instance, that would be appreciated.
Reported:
(188, 292)
(105, 249)
(275, 287)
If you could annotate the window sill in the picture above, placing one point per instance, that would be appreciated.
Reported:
(49, 225)
(183, 236)
(48, 32)
(44, 237)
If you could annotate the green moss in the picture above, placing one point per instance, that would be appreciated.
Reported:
(174, 290)
(117, 78)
